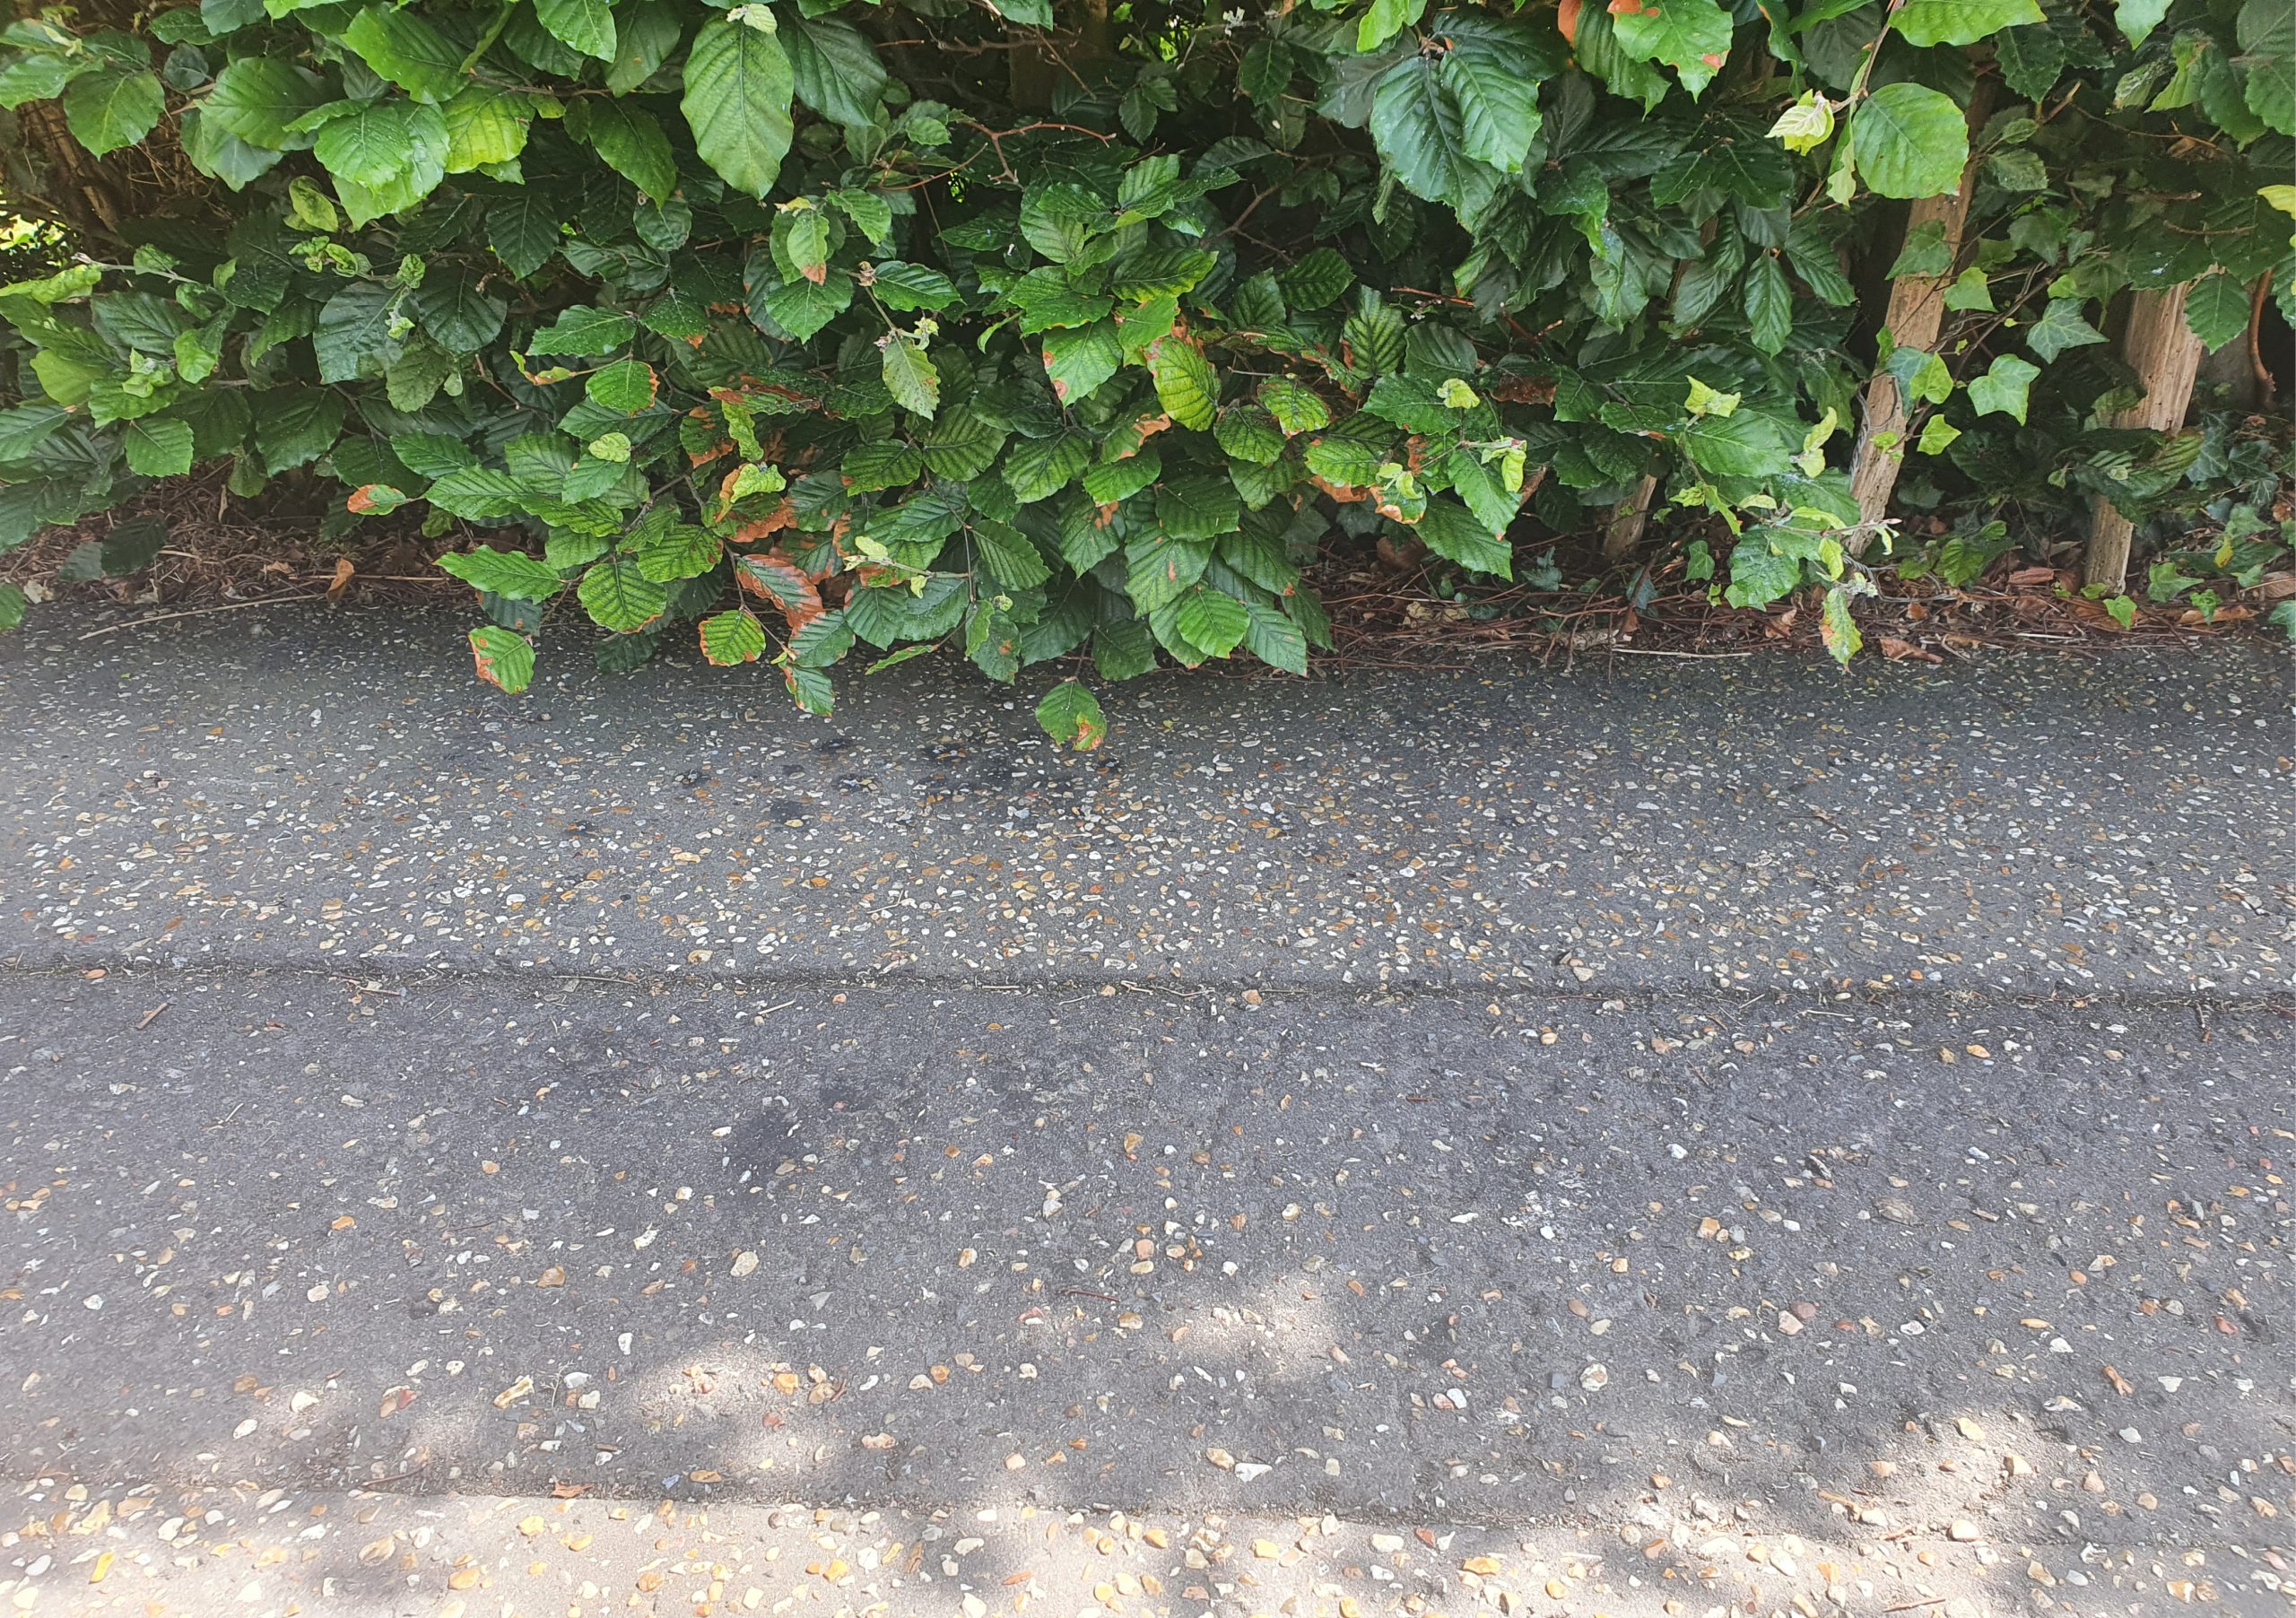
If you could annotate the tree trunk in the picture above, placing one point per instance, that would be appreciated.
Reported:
(2165, 355)
(1917, 314)
(1628, 518)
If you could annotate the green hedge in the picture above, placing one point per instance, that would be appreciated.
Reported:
(817, 331)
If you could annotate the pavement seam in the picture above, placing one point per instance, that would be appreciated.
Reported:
(369, 977)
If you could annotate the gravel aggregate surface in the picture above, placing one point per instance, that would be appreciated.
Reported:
(1675, 1138)
(276, 786)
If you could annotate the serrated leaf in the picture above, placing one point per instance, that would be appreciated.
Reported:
(1037, 468)
(881, 465)
(730, 639)
(1159, 570)
(1769, 304)
(1962, 21)
(1076, 362)
(778, 579)
(1072, 716)
(1249, 433)
(112, 108)
(626, 388)
(511, 573)
(911, 286)
(1214, 622)
(503, 659)
(1909, 141)
(1374, 334)
(738, 86)
(1196, 508)
(158, 448)
(618, 597)
(1186, 386)
(1275, 640)
(1296, 407)
(909, 375)
(2216, 309)
(1115, 481)
(1692, 37)
(586, 26)
(1316, 280)
(1453, 532)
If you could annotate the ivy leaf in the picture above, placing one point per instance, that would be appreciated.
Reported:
(1909, 141)
(738, 87)
(504, 658)
(909, 375)
(2002, 390)
(1692, 37)
(1927, 22)
(2216, 309)
(730, 639)
(1071, 715)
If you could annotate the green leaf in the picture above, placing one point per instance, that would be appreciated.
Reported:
(256, 98)
(1076, 362)
(631, 141)
(112, 108)
(582, 25)
(2216, 309)
(1186, 383)
(833, 68)
(620, 597)
(1374, 334)
(1495, 86)
(1115, 481)
(1296, 406)
(1962, 21)
(625, 387)
(404, 49)
(1048, 296)
(1909, 141)
(1196, 508)
(881, 465)
(1248, 432)
(1420, 133)
(2031, 58)
(1275, 640)
(1692, 37)
(1071, 715)
(730, 639)
(582, 332)
(1159, 570)
(1769, 304)
(1039, 468)
(159, 448)
(2002, 390)
(1937, 435)
(12, 601)
(1837, 629)
(1316, 280)
(1214, 622)
(1456, 533)
(522, 227)
(505, 659)
(386, 145)
(511, 573)
(2138, 18)
(801, 308)
(738, 87)
(911, 286)
(1744, 444)
(2061, 326)
(909, 375)
(354, 338)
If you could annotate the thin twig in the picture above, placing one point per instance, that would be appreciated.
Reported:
(228, 606)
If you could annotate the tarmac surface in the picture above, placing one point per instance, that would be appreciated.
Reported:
(1654, 1138)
